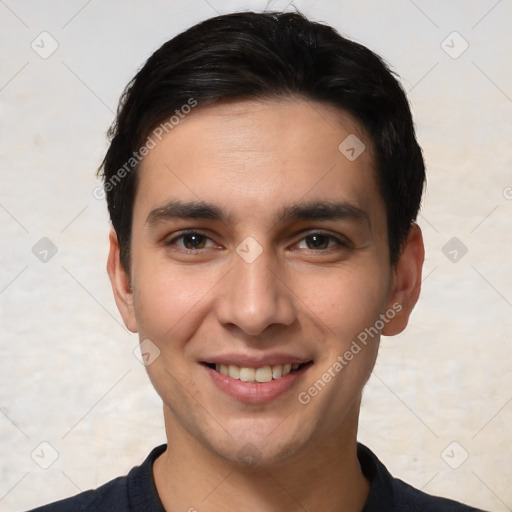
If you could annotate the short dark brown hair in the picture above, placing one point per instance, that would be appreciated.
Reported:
(267, 55)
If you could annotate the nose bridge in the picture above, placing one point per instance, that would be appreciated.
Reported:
(253, 296)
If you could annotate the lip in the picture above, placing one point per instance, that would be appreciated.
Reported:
(256, 361)
(256, 392)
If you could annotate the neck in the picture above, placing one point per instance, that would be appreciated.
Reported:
(324, 476)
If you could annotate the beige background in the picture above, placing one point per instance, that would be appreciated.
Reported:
(440, 391)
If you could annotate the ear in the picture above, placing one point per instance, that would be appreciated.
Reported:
(121, 286)
(406, 283)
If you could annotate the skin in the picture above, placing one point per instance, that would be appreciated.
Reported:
(305, 296)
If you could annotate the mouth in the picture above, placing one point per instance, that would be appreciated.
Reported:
(260, 374)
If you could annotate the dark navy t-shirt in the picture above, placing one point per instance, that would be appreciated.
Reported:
(136, 492)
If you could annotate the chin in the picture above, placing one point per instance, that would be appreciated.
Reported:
(254, 456)
(257, 447)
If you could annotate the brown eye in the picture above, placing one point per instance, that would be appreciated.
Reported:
(194, 241)
(191, 241)
(318, 241)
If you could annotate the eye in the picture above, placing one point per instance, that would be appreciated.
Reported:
(191, 241)
(321, 241)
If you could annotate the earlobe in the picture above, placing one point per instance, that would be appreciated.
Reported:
(121, 285)
(406, 281)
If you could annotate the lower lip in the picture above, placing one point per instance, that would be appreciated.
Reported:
(256, 392)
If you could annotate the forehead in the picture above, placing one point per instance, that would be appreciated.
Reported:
(242, 155)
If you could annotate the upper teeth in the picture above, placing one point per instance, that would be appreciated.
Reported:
(263, 374)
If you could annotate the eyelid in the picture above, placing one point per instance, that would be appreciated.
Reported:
(180, 234)
(341, 240)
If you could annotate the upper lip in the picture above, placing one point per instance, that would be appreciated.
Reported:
(255, 361)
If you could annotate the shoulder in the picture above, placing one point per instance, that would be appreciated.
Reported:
(413, 500)
(388, 494)
(109, 497)
(135, 491)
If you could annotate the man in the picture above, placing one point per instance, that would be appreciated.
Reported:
(263, 180)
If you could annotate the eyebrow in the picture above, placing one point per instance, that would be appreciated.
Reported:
(323, 210)
(314, 210)
(186, 210)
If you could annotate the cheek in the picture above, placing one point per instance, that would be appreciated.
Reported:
(169, 302)
(344, 301)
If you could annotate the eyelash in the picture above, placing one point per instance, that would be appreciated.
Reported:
(184, 234)
(340, 242)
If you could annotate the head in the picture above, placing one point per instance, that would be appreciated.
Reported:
(265, 56)
(263, 179)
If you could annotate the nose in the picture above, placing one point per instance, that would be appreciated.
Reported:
(255, 296)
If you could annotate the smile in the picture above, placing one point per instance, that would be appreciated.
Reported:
(256, 384)
(262, 374)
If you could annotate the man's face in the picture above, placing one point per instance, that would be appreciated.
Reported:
(257, 243)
